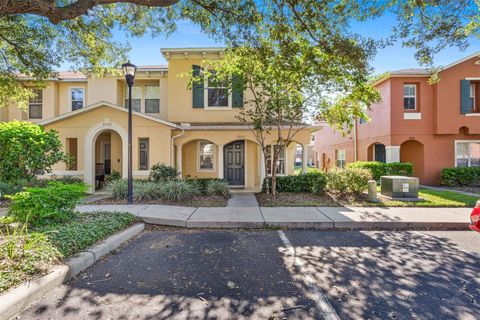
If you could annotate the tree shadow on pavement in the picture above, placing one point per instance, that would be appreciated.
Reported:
(393, 275)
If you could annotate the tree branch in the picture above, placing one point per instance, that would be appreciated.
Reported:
(55, 14)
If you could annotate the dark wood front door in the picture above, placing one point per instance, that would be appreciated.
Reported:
(234, 163)
(380, 154)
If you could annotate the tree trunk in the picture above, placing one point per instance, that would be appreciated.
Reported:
(274, 173)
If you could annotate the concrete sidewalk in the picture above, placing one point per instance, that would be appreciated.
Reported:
(296, 217)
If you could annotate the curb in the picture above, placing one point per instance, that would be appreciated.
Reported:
(18, 299)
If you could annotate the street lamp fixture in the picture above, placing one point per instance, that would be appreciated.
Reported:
(129, 70)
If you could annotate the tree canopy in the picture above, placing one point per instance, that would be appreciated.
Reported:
(37, 36)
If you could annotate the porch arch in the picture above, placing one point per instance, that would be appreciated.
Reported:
(89, 150)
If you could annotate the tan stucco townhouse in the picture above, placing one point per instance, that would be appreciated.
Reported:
(193, 129)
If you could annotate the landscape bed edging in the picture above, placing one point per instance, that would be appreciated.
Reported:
(15, 300)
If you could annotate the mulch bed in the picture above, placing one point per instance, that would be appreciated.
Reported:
(195, 201)
(287, 199)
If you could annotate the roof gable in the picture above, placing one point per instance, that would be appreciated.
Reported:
(100, 104)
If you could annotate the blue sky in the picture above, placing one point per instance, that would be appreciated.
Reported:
(146, 50)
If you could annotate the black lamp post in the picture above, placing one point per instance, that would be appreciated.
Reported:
(129, 72)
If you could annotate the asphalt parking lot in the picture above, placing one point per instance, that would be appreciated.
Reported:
(273, 274)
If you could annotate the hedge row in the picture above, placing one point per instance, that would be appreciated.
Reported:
(461, 177)
(379, 169)
(307, 182)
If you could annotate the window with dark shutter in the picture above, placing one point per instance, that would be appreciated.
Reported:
(197, 88)
(237, 91)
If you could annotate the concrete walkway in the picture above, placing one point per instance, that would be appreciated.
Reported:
(296, 217)
(246, 199)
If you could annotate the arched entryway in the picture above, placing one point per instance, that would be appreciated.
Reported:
(412, 151)
(376, 152)
(105, 150)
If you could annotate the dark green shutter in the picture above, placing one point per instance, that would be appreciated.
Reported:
(465, 103)
(237, 91)
(197, 89)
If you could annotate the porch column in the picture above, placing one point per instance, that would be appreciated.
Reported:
(304, 158)
(392, 154)
(220, 161)
(179, 160)
(262, 165)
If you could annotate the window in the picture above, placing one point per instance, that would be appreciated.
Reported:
(152, 98)
(35, 105)
(217, 94)
(409, 96)
(472, 95)
(206, 154)
(340, 158)
(280, 165)
(77, 98)
(143, 152)
(467, 153)
(72, 146)
(136, 98)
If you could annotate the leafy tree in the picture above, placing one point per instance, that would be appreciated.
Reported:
(36, 36)
(26, 149)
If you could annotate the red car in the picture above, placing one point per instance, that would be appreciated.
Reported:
(475, 218)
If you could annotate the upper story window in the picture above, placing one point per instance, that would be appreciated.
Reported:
(340, 158)
(152, 98)
(409, 96)
(35, 105)
(472, 95)
(136, 98)
(217, 95)
(145, 97)
(77, 98)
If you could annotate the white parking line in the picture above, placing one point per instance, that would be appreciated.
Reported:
(317, 295)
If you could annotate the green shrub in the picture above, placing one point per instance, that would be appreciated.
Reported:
(179, 190)
(357, 179)
(337, 181)
(314, 182)
(461, 177)
(27, 149)
(201, 184)
(146, 190)
(10, 188)
(114, 175)
(162, 173)
(85, 230)
(379, 169)
(218, 187)
(117, 188)
(55, 202)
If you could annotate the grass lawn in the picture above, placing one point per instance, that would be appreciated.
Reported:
(28, 253)
(298, 169)
(195, 201)
(432, 198)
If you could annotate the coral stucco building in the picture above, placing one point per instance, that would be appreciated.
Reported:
(434, 126)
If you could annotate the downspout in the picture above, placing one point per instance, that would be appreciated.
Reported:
(172, 154)
(355, 140)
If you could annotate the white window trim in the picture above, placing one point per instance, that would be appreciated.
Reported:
(344, 152)
(463, 141)
(143, 96)
(205, 98)
(410, 96)
(214, 162)
(41, 105)
(271, 167)
(70, 97)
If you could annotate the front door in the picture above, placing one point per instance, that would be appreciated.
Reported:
(234, 163)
